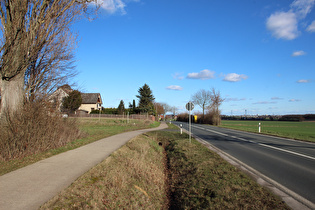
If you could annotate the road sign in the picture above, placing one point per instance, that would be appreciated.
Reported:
(190, 106)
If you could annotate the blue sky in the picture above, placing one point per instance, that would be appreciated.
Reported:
(260, 54)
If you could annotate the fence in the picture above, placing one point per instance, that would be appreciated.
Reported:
(115, 116)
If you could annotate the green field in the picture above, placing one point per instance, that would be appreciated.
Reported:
(92, 129)
(294, 130)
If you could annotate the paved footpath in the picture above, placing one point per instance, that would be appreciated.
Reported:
(32, 186)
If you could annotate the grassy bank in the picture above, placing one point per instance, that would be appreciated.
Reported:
(294, 130)
(91, 130)
(133, 177)
(175, 175)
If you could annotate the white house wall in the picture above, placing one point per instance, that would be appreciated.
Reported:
(88, 107)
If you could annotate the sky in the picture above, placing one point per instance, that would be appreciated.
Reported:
(260, 54)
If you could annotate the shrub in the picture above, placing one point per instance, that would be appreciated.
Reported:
(72, 102)
(34, 129)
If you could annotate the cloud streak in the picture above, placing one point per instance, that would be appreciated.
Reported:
(294, 100)
(303, 81)
(302, 7)
(203, 75)
(178, 76)
(311, 28)
(276, 98)
(174, 87)
(265, 102)
(233, 77)
(234, 99)
(114, 6)
(298, 53)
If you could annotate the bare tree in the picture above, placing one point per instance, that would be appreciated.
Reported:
(158, 108)
(216, 101)
(166, 107)
(53, 66)
(162, 108)
(29, 29)
(174, 109)
(203, 99)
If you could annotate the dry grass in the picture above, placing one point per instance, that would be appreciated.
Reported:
(201, 179)
(90, 129)
(133, 177)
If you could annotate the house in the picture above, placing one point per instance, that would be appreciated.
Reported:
(90, 101)
(56, 97)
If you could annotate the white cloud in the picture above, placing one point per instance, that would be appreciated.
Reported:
(234, 99)
(294, 100)
(311, 28)
(233, 77)
(265, 102)
(283, 25)
(114, 6)
(174, 87)
(178, 76)
(276, 98)
(203, 75)
(302, 7)
(303, 81)
(298, 53)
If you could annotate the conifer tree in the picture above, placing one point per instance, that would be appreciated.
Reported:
(146, 99)
(121, 107)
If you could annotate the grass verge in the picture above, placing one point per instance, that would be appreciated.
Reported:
(201, 179)
(133, 177)
(178, 175)
(294, 130)
(92, 129)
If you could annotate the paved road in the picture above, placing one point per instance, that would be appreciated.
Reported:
(33, 185)
(288, 162)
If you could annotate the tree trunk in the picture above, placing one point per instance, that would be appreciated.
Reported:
(12, 94)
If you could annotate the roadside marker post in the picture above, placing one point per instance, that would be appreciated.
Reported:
(181, 129)
(259, 127)
(190, 106)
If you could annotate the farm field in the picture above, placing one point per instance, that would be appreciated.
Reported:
(294, 130)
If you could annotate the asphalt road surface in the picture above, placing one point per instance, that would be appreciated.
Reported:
(290, 163)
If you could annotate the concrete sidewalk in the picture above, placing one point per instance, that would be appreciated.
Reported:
(33, 185)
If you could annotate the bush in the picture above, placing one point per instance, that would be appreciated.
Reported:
(209, 118)
(72, 102)
(34, 129)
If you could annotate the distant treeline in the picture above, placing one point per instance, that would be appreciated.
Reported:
(297, 118)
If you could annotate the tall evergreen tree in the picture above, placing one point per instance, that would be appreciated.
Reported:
(121, 107)
(146, 99)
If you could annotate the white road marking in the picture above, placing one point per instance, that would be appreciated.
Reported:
(261, 144)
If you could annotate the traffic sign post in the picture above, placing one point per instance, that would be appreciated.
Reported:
(190, 106)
